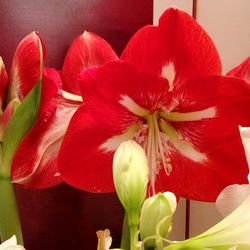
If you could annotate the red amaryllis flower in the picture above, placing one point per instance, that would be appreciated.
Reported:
(168, 98)
(35, 162)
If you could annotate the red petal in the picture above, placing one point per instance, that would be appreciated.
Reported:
(242, 71)
(87, 50)
(225, 166)
(35, 162)
(143, 50)
(104, 88)
(46, 175)
(216, 137)
(81, 162)
(178, 40)
(27, 66)
(229, 97)
(3, 83)
(51, 86)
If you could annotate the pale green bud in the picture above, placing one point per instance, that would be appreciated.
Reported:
(130, 172)
(156, 218)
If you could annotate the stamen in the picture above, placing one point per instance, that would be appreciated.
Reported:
(156, 154)
(184, 147)
(151, 153)
(159, 145)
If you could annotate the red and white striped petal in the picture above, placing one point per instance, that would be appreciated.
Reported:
(178, 49)
(35, 162)
(46, 174)
(242, 71)
(82, 163)
(87, 50)
(27, 66)
(3, 83)
(28, 158)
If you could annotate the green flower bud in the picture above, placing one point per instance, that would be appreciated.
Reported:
(156, 218)
(130, 172)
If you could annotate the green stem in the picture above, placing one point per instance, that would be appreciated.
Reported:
(181, 246)
(9, 217)
(133, 232)
(125, 240)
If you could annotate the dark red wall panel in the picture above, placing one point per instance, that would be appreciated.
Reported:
(60, 21)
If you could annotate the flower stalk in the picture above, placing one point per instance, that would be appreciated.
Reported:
(125, 239)
(9, 217)
(17, 127)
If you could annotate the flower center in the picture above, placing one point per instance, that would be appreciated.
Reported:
(156, 133)
(159, 138)
(154, 141)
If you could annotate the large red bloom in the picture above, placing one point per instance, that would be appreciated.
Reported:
(170, 98)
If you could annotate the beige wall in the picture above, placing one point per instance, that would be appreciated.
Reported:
(228, 23)
(161, 5)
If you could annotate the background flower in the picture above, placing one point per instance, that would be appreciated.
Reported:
(35, 162)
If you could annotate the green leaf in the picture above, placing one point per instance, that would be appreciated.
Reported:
(18, 126)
